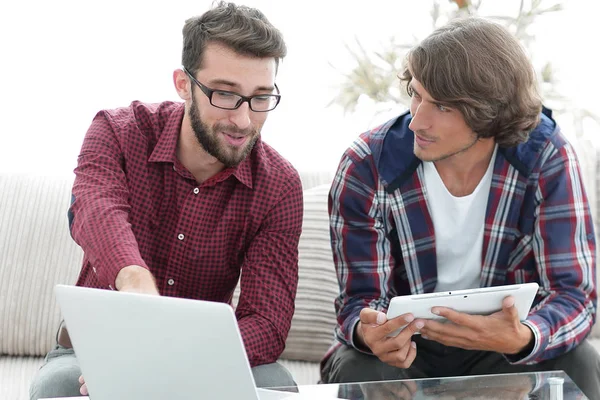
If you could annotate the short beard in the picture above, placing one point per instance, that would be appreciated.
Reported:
(445, 156)
(206, 137)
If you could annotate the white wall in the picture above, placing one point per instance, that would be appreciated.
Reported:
(63, 60)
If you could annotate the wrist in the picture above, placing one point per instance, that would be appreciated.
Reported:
(527, 340)
(358, 338)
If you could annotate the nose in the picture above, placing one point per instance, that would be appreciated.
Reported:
(421, 119)
(241, 116)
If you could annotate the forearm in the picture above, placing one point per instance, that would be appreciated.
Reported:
(360, 247)
(99, 213)
(263, 341)
(564, 249)
(546, 323)
(101, 228)
(265, 310)
(269, 279)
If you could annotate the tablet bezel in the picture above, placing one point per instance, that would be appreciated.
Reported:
(477, 301)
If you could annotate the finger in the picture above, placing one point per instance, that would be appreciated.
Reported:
(402, 352)
(395, 324)
(412, 386)
(401, 359)
(452, 315)
(368, 316)
(449, 334)
(380, 338)
(81, 381)
(412, 354)
(83, 390)
(411, 329)
(407, 333)
(403, 393)
(386, 343)
(508, 307)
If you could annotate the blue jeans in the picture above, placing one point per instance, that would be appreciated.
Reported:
(59, 376)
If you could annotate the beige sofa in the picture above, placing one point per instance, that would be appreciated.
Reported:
(36, 252)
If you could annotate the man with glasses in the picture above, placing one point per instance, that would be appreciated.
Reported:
(180, 199)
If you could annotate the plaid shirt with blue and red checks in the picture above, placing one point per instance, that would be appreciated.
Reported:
(538, 228)
(134, 203)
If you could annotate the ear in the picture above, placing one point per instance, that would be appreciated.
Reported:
(182, 84)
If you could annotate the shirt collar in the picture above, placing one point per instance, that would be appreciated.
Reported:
(166, 147)
(243, 171)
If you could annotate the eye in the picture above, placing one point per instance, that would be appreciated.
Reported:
(442, 108)
(224, 95)
(262, 99)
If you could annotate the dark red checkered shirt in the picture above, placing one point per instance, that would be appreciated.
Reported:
(135, 204)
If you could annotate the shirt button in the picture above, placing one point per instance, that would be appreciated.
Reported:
(171, 282)
(196, 190)
(180, 236)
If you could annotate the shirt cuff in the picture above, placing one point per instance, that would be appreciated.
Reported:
(363, 349)
(538, 345)
(109, 269)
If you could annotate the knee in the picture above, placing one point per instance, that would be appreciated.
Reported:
(582, 364)
(61, 380)
(272, 375)
(348, 365)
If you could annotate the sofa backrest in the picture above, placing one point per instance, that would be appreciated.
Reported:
(36, 252)
(311, 333)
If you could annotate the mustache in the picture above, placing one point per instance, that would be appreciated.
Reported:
(233, 129)
(421, 134)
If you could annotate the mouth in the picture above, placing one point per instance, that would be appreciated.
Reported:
(423, 142)
(234, 138)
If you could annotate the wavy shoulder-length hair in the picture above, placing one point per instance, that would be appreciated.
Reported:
(478, 67)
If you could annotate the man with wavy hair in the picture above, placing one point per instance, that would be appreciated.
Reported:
(180, 198)
(475, 186)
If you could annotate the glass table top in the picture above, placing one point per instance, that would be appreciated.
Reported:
(551, 385)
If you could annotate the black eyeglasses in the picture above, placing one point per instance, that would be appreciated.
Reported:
(231, 100)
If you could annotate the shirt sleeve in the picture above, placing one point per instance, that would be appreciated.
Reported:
(565, 251)
(360, 245)
(270, 278)
(100, 209)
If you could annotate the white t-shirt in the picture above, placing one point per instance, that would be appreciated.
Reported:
(458, 224)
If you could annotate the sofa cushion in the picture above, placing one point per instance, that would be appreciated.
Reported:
(311, 332)
(15, 376)
(36, 252)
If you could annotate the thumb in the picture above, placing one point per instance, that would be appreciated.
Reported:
(508, 307)
(372, 317)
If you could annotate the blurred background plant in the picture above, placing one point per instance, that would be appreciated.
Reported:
(373, 77)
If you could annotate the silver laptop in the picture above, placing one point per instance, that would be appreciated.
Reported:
(142, 347)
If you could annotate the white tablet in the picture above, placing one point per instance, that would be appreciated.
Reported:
(479, 301)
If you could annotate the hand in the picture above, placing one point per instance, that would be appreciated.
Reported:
(373, 330)
(83, 389)
(501, 332)
(392, 390)
(136, 279)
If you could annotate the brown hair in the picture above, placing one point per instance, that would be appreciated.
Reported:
(243, 29)
(479, 68)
